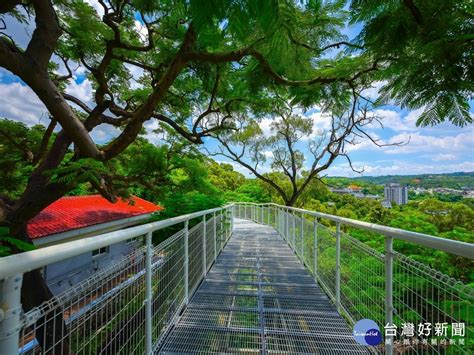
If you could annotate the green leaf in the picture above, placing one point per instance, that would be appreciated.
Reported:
(21, 245)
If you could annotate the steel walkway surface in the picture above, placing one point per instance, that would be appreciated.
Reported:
(258, 298)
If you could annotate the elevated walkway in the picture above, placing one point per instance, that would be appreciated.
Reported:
(223, 284)
(258, 298)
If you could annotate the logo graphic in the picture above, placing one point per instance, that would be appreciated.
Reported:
(367, 332)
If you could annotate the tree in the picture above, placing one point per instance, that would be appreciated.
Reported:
(293, 147)
(224, 177)
(429, 50)
(185, 52)
(199, 63)
(196, 59)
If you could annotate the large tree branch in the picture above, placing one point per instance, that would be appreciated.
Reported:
(8, 5)
(146, 111)
(237, 55)
(39, 156)
(21, 146)
(46, 34)
(414, 10)
(238, 158)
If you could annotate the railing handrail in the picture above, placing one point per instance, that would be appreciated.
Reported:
(447, 245)
(31, 260)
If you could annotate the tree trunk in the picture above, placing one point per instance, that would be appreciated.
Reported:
(39, 194)
(50, 329)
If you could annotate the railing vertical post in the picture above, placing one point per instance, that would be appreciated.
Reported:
(204, 247)
(232, 217)
(221, 228)
(149, 297)
(10, 304)
(302, 237)
(389, 291)
(293, 231)
(274, 214)
(315, 249)
(338, 266)
(279, 219)
(215, 235)
(186, 262)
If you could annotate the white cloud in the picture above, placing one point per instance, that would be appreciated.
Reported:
(413, 116)
(363, 143)
(393, 120)
(443, 157)
(153, 137)
(82, 91)
(136, 74)
(20, 32)
(268, 154)
(97, 6)
(104, 133)
(321, 124)
(141, 30)
(373, 92)
(20, 103)
(400, 168)
(419, 143)
(264, 125)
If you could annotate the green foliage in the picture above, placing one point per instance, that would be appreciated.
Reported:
(452, 220)
(427, 181)
(81, 170)
(428, 54)
(19, 147)
(8, 243)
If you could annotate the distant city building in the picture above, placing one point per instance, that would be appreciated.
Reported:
(386, 204)
(353, 190)
(396, 193)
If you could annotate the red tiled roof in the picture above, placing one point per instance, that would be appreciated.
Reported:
(74, 212)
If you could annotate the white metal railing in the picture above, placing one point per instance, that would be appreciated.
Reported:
(127, 308)
(388, 287)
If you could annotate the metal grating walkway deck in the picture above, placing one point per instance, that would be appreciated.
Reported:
(258, 298)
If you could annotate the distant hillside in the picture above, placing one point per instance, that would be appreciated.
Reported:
(452, 180)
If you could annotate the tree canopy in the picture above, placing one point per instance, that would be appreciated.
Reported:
(195, 66)
(429, 51)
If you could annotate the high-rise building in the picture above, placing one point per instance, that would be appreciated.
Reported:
(396, 193)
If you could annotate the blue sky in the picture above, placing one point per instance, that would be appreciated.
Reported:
(440, 149)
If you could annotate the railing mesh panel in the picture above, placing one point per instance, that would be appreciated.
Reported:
(420, 294)
(105, 314)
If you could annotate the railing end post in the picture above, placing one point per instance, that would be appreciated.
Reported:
(10, 324)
